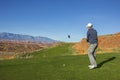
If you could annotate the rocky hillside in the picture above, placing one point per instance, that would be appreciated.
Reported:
(107, 43)
(11, 49)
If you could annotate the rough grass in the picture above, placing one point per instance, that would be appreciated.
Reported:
(59, 63)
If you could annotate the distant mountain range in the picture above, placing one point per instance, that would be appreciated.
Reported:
(19, 37)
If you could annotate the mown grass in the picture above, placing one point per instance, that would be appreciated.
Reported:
(59, 63)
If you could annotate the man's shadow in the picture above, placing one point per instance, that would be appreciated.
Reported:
(105, 61)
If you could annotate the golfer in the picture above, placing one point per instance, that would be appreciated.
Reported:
(93, 40)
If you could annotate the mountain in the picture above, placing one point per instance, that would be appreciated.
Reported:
(107, 43)
(19, 37)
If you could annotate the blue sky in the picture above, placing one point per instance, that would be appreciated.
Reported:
(58, 18)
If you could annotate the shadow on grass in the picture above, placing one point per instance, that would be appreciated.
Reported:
(105, 61)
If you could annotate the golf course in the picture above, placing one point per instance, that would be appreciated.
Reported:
(60, 62)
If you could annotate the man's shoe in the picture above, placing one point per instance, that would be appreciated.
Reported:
(92, 66)
(89, 66)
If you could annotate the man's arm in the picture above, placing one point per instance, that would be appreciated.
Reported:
(87, 36)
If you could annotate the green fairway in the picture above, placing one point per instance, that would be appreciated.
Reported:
(60, 63)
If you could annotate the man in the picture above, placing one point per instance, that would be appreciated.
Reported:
(93, 40)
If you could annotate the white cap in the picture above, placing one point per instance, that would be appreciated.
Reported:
(89, 25)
